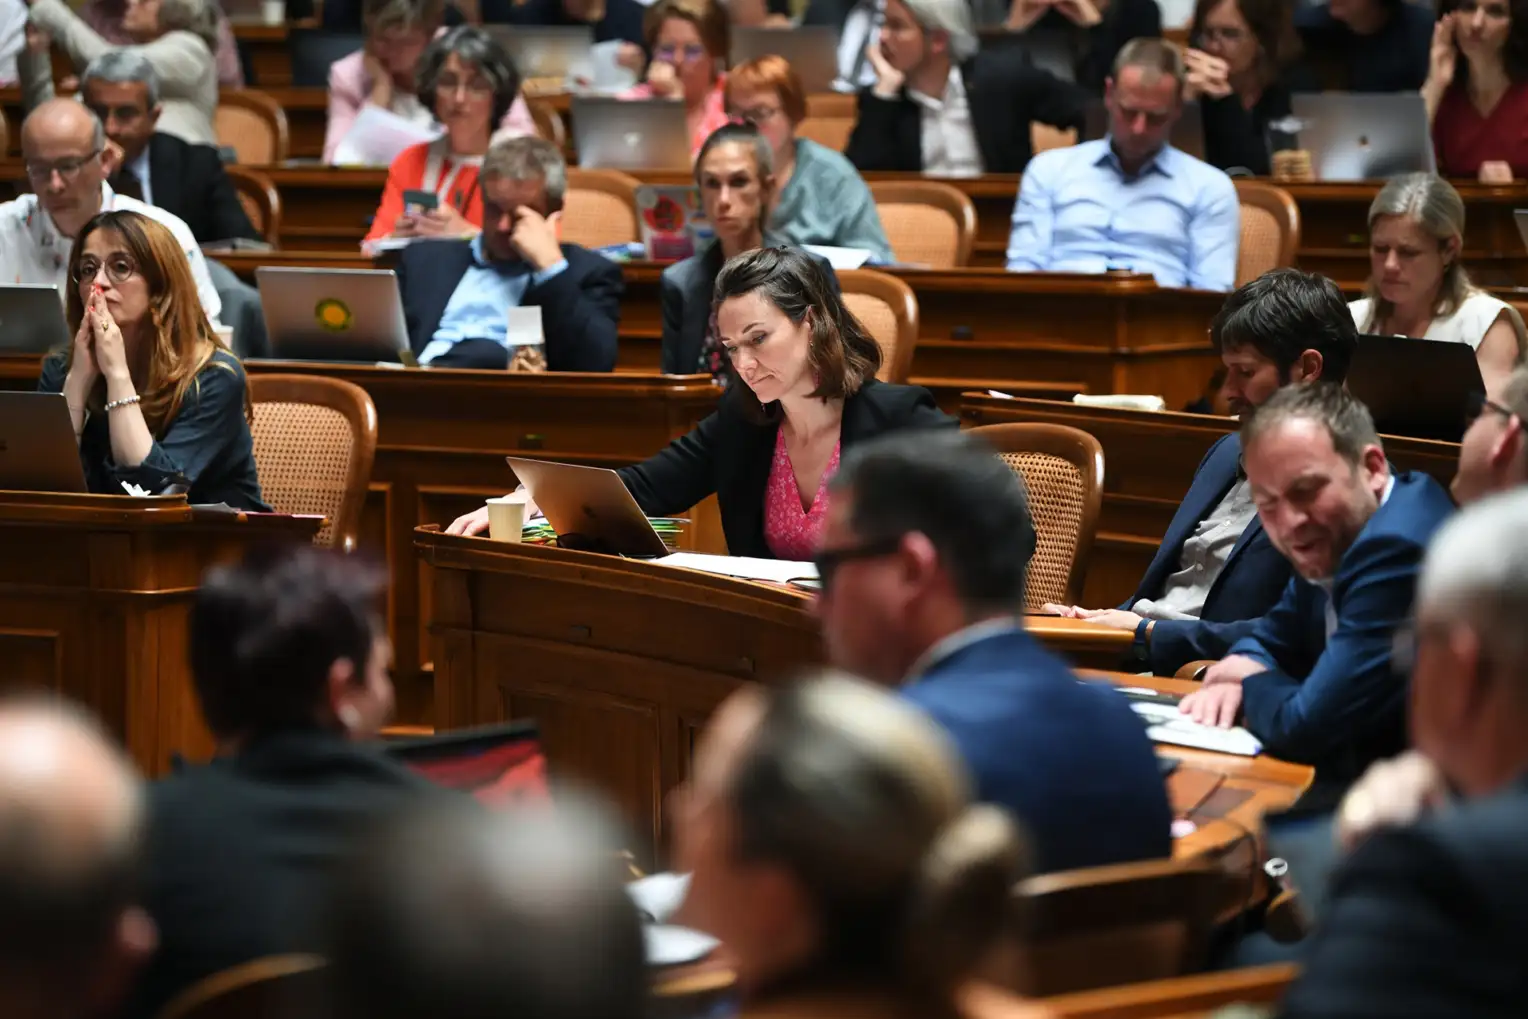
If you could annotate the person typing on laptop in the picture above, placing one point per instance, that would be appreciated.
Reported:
(804, 390)
(457, 295)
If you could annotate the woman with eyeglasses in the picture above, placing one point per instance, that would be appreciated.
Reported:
(803, 389)
(1417, 283)
(155, 397)
(819, 197)
(1478, 105)
(689, 41)
(470, 83)
(1242, 70)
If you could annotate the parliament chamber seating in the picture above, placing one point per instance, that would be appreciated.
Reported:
(888, 309)
(254, 125)
(260, 199)
(928, 223)
(600, 208)
(273, 987)
(1270, 229)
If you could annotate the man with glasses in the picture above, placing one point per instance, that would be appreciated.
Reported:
(1429, 914)
(1493, 456)
(68, 162)
(924, 552)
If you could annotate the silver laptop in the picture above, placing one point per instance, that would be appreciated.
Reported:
(546, 51)
(38, 451)
(31, 319)
(333, 314)
(589, 508)
(812, 51)
(1364, 136)
(630, 134)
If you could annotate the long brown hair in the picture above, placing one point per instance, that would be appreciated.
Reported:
(183, 340)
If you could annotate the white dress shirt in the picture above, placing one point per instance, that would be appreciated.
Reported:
(34, 250)
(13, 25)
(949, 140)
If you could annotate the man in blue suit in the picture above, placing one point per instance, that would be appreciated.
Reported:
(924, 551)
(1216, 572)
(457, 294)
(1313, 680)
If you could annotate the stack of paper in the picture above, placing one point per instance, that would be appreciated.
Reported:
(779, 571)
(1165, 723)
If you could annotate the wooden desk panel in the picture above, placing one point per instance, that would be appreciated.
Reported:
(1192, 997)
(269, 58)
(1150, 459)
(623, 661)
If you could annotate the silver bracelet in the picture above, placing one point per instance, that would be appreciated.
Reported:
(125, 401)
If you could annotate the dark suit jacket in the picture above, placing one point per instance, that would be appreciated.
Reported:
(189, 181)
(1005, 92)
(240, 850)
(1071, 760)
(1123, 20)
(1426, 920)
(684, 292)
(622, 20)
(580, 306)
(1249, 584)
(729, 454)
(1336, 703)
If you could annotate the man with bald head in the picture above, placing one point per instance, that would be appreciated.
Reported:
(71, 817)
(67, 162)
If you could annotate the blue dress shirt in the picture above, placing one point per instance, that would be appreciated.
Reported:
(1177, 219)
(479, 306)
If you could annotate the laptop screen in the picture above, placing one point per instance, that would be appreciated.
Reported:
(499, 765)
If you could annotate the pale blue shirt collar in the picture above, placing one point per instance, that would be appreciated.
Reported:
(1161, 161)
(959, 641)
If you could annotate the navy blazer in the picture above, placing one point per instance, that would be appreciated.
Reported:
(730, 454)
(1248, 585)
(1070, 760)
(1336, 703)
(580, 306)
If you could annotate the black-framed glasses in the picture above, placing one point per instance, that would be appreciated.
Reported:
(830, 559)
(1478, 403)
(119, 269)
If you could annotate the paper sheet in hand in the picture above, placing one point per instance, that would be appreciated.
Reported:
(777, 570)
(1166, 724)
(378, 135)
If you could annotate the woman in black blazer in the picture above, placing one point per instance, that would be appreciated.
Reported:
(803, 390)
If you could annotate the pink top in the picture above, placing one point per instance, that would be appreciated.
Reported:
(713, 112)
(790, 532)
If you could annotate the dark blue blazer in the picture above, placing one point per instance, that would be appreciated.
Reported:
(1337, 704)
(1071, 760)
(580, 306)
(1249, 584)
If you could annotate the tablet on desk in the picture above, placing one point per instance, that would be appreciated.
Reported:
(589, 508)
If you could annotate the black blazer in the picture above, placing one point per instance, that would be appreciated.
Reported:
(189, 181)
(1426, 920)
(730, 455)
(1098, 46)
(1236, 137)
(580, 306)
(1005, 93)
(240, 850)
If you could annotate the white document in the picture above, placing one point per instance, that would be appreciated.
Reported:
(601, 71)
(378, 135)
(1167, 724)
(1122, 401)
(840, 258)
(524, 327)
(779, 571)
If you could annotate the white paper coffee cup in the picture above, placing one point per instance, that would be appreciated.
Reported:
(506, 517)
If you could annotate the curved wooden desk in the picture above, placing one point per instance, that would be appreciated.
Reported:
(622, 661)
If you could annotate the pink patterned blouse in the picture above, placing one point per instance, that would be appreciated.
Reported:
(791, 533)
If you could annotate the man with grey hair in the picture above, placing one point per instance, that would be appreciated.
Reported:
(1493, 456)
(1130, 200)
(920, 115)
(67, 161)
(1429, 915)
(1314, 681)
(457, 294)
(71, 810)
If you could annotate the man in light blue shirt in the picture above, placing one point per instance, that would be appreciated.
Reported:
(1130, 200)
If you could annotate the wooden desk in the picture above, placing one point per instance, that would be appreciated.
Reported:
(1150, 460)
(621, 662)
(269, 58)
(1192, 997)
(95, 601)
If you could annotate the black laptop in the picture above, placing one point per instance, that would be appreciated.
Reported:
(1417, 388)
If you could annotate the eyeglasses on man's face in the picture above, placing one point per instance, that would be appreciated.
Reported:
(67, 169)
(828, 560)
(1478, 403)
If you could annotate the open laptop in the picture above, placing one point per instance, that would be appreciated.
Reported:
(31, 320)
(589, 508)
(1417, 388)
(1187, 134)
(333, 314)
(38, 451)
(499, 765)
(812, 51)
(546, 51)
(630, 134)
(1364, 136)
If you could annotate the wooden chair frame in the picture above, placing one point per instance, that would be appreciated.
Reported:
(941, 196)
(195, 1000)
(353, 402)
(1076, 447)
(611, 182)
(263, 104)
(1281, 205)
(904, 304)
(550, 125)
(259, 187)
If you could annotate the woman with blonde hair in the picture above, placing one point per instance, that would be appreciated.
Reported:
(689, 41)
(835, 851)
(155, 397)
(1417, 284)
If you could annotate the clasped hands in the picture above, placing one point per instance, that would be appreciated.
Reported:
(1023, 13)
(98, 346)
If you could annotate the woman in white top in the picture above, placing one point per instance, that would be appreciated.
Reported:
(1417, 286)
